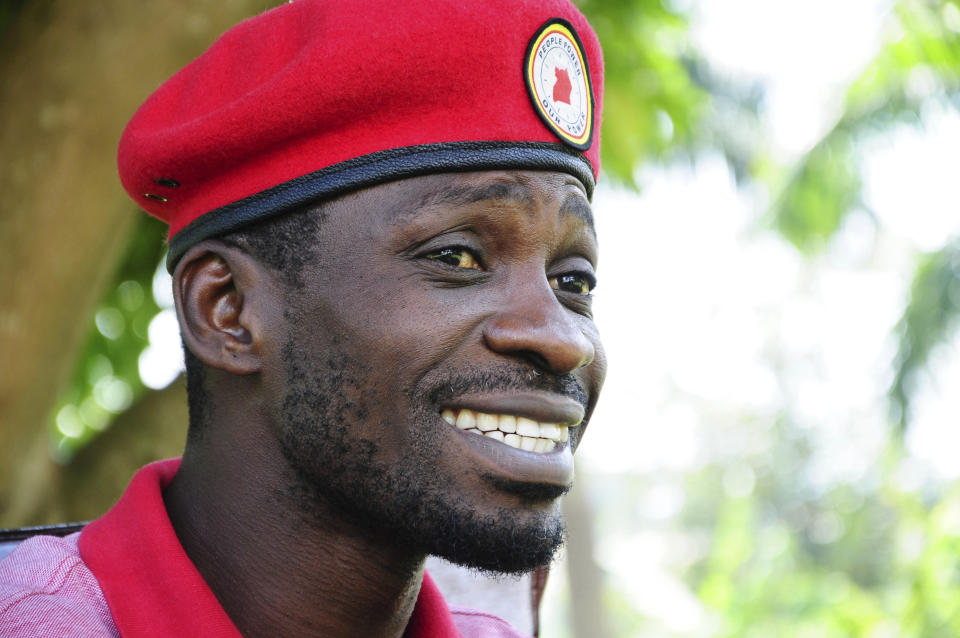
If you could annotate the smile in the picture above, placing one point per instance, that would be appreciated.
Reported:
(516, 431)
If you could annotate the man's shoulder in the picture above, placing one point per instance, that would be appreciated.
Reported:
(47, 590)
(474, 623)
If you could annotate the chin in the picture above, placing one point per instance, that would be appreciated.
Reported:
(507, 542)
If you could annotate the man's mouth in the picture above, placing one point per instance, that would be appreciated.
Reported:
(516, 431)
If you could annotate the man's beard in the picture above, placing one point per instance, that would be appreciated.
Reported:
(406, 503)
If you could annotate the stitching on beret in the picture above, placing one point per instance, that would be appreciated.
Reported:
(377, 168)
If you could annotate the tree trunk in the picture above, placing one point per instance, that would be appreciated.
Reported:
(71, 75)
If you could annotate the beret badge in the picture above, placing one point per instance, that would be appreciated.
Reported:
(558, 81)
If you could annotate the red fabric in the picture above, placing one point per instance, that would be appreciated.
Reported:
(153, 589)
(282, 95)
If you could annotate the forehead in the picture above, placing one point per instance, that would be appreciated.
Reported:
(418, 199)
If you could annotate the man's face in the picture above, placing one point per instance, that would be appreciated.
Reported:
(457, 297)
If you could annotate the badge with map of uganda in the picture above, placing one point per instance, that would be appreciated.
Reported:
(558, 80)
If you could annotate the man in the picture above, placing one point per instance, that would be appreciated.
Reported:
(383, 255)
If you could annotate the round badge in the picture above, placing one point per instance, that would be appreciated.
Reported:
(558, 80)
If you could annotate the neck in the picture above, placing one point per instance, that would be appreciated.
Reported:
(276, 569)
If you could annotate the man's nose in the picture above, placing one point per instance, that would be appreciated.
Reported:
(532, 324)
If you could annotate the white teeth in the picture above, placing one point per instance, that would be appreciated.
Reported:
(466, 420)
(550, 431)
(516, 431)
(487, 422)
(527, 427)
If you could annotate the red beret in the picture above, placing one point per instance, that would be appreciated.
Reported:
(319, 97)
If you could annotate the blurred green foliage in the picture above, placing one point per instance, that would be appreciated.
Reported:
(652, 104)
(920, 62)
(823, 189)
(929, 319)
(839, 562)
(767, 552)
(106, 379)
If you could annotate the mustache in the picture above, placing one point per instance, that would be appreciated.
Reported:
(507, 379)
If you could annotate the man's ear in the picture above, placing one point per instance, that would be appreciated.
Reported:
(215, 288)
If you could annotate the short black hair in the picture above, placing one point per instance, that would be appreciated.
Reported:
(286, 243)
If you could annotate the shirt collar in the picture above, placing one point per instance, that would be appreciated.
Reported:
(152, 587)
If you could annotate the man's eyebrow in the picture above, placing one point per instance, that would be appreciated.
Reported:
(464, 195)
(580, 208)
(503, 191)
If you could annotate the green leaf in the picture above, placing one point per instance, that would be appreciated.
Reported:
(929, 320)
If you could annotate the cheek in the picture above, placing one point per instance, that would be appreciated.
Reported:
(411, 327)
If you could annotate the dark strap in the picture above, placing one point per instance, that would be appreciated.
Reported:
(18, 534)
(10, 538)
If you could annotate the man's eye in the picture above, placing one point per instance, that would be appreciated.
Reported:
(456, 256)
(578, 284)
